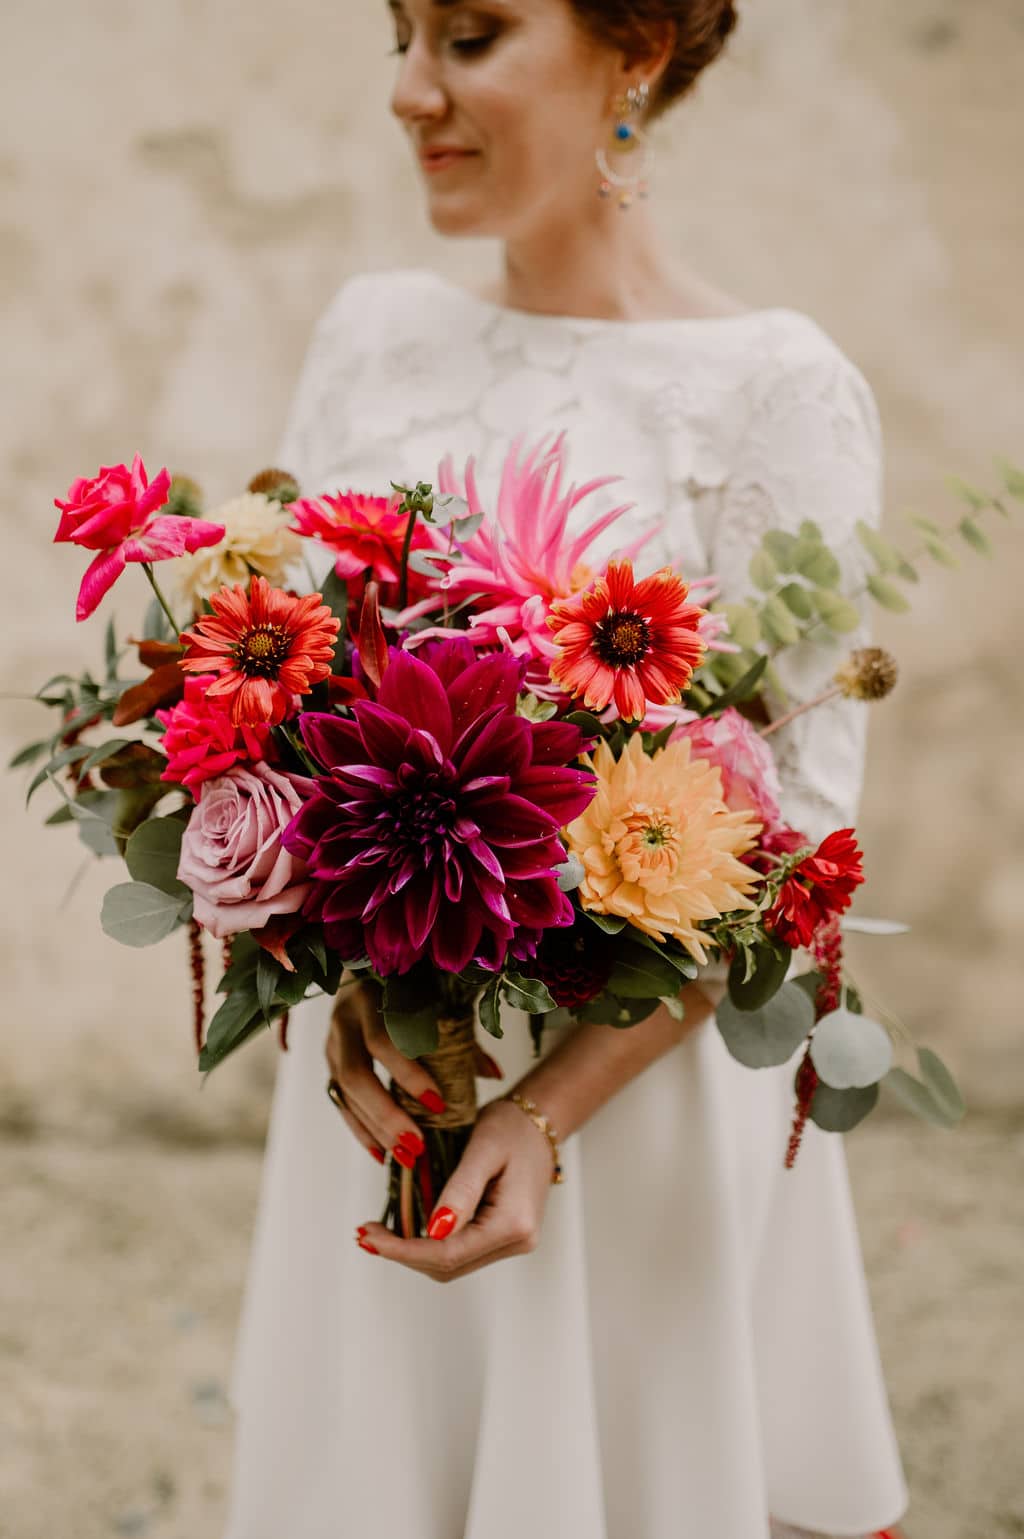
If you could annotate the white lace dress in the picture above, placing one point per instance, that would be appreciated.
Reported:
(690, 1347)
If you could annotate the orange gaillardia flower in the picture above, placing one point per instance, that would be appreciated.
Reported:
(658, 844)
(265, 647)
(635, 641)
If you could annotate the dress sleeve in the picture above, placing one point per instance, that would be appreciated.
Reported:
(317, 406)
(813, 450)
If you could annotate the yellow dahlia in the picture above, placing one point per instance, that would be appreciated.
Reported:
(257, 541)
(658, 844)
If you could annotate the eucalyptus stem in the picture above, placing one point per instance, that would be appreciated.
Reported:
(147, 568)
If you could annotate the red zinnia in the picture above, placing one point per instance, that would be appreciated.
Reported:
(635, 641)
(819, 887)
(265, 647)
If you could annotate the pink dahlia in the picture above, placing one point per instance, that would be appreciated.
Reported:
(433, 831)
(115, 513)
(522, 559)
(366, 535)
(200, 739)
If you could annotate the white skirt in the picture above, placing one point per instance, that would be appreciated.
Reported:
(688, 1350)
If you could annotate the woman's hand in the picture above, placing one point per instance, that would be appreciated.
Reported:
(357, 1037)
(492, 1205)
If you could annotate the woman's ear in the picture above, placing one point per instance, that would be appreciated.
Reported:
(650, 61)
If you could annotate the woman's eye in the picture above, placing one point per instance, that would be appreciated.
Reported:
(473, 44)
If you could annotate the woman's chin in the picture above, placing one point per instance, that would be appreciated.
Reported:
(458, 216)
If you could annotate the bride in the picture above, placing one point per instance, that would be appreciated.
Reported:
(676, 1341)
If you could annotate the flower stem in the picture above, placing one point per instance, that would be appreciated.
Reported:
(798, 710)
(403, 576)
(147, 568)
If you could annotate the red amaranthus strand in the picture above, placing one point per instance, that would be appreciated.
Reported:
(227, 952)
(198, 963)
(827, 948)
(282, 1032)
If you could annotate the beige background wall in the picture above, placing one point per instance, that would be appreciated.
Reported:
(185, 183)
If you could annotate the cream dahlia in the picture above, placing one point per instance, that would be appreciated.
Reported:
(658, 844)
(257, 541)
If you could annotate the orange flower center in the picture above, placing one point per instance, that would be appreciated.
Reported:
(647, 847)
(622, 640)
(262, 650)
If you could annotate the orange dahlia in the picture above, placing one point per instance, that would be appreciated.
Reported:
(265, 646)
(658, 844)
(636, 642)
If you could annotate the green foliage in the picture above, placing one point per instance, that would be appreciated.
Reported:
(137, 914)
(850, 1051)
(527, 994)
(887, 594)
(489, 1016)
(935, 1096)
(975, 536)
(838, 613)
(743, 688)
(153, 852)
(797, 600)
(778, 625)
(885, 555)
(639, 972)
(770, 1035)
(1013, 479)
(837, 1111)
(763, 570)
(757, 972)
(411, 1006)
(744, 625)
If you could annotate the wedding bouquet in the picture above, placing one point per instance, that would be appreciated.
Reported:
(472, 768)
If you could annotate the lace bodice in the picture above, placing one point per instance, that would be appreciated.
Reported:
(720, 428)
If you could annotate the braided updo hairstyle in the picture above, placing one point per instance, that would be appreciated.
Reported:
(702, 27)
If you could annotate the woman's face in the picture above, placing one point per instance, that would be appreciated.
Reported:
(521, 90)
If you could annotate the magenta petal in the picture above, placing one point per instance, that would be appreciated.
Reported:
(330, 740)
(564, 793)
(540, 903)
(422, 899)
(385, 734)
(490, 681)
(100, 576)
(504, 744)
(556, 742)
(510, 820)
(414, 692)
(454, 939)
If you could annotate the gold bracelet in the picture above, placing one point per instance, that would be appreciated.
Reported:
(538, 1117)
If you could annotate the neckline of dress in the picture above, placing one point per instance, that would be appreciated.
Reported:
(492, 308)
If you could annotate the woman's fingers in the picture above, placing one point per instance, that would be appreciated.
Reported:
(444, 1261)
(412, 1076)
(352, 1066)
(362, 1134)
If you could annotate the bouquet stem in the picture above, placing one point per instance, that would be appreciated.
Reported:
(411, 1193)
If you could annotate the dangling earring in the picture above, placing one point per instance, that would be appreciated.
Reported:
(626, 139)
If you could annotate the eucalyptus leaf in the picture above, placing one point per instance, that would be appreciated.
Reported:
(768, 974)
(926, 525)
(744, 625)
(608, 1010)
(941, 553)
(779, 627)
(969, 494)
(412, 1032)
(570, 873)
(817, 563)
(763, 1038)
(423, 561)
(137, 914)
(97, 836)
(29, 754)
(850, 1051)
(858, 924)
(466, 528)
(153, 853)
(887, 558)
(887, 594)
(104, 752)
(838, 613)
(763, 570)
(837, 1111)
(944, 1089)
(1013, 479)
(73, 755)
(449, 509)
(918, 1098)
(809, 530)
(780, 546)
(975, 536)
(797, 600)
(639, 973)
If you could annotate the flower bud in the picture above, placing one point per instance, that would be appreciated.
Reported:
(870, 673)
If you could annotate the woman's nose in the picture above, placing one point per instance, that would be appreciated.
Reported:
(417, 92)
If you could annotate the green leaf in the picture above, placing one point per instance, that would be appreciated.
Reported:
(969, 494)
(837, 1111)
(975, 536)
(779, 627)
(682, 961)
(466, 528)
(489, 1015)
(334, 593)
(528, 994)
(640, 973)
(884, 553)
(763, 571)
(236, 1020)
(611, 924)
(838, 613)
(241, 974)
(744, 625)
(1013, 479)
(588, 724)
(608, 1010)
(98, 836)
(907, 571)
(817, 563)
(153, 852)
(887, 594)
(137, 914)
(155, 626)
(412, 1032)
(926, 525)
(797, 600)
(763, 1038)
(850, 1051)
(317, 948)
(421, 561)
(780, 546)
(918, 1098)
(105, 751)
(940, 1083)
(66, 756)
(741, 690)
(770, 965)
(29, 754)
(267, 973)
(110, 650)
(940, 552)
(809, 530)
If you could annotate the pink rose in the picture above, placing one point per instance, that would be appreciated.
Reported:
(750, 780)
(200, 739)
(115, 513)
(232, 856)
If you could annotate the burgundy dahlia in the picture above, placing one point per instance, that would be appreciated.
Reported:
(574, 964)
(433, 831)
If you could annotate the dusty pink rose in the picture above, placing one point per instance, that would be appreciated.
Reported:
(115, 514)
(750, 780)
(232, 856)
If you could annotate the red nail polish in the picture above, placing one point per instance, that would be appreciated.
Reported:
(432, 1101)
(365, 1245)
(360, 1231)
(413, 1142)
(404, 1156)
(378, 1155)
(441, 1224)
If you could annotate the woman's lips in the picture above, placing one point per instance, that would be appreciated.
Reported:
(442, 160)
